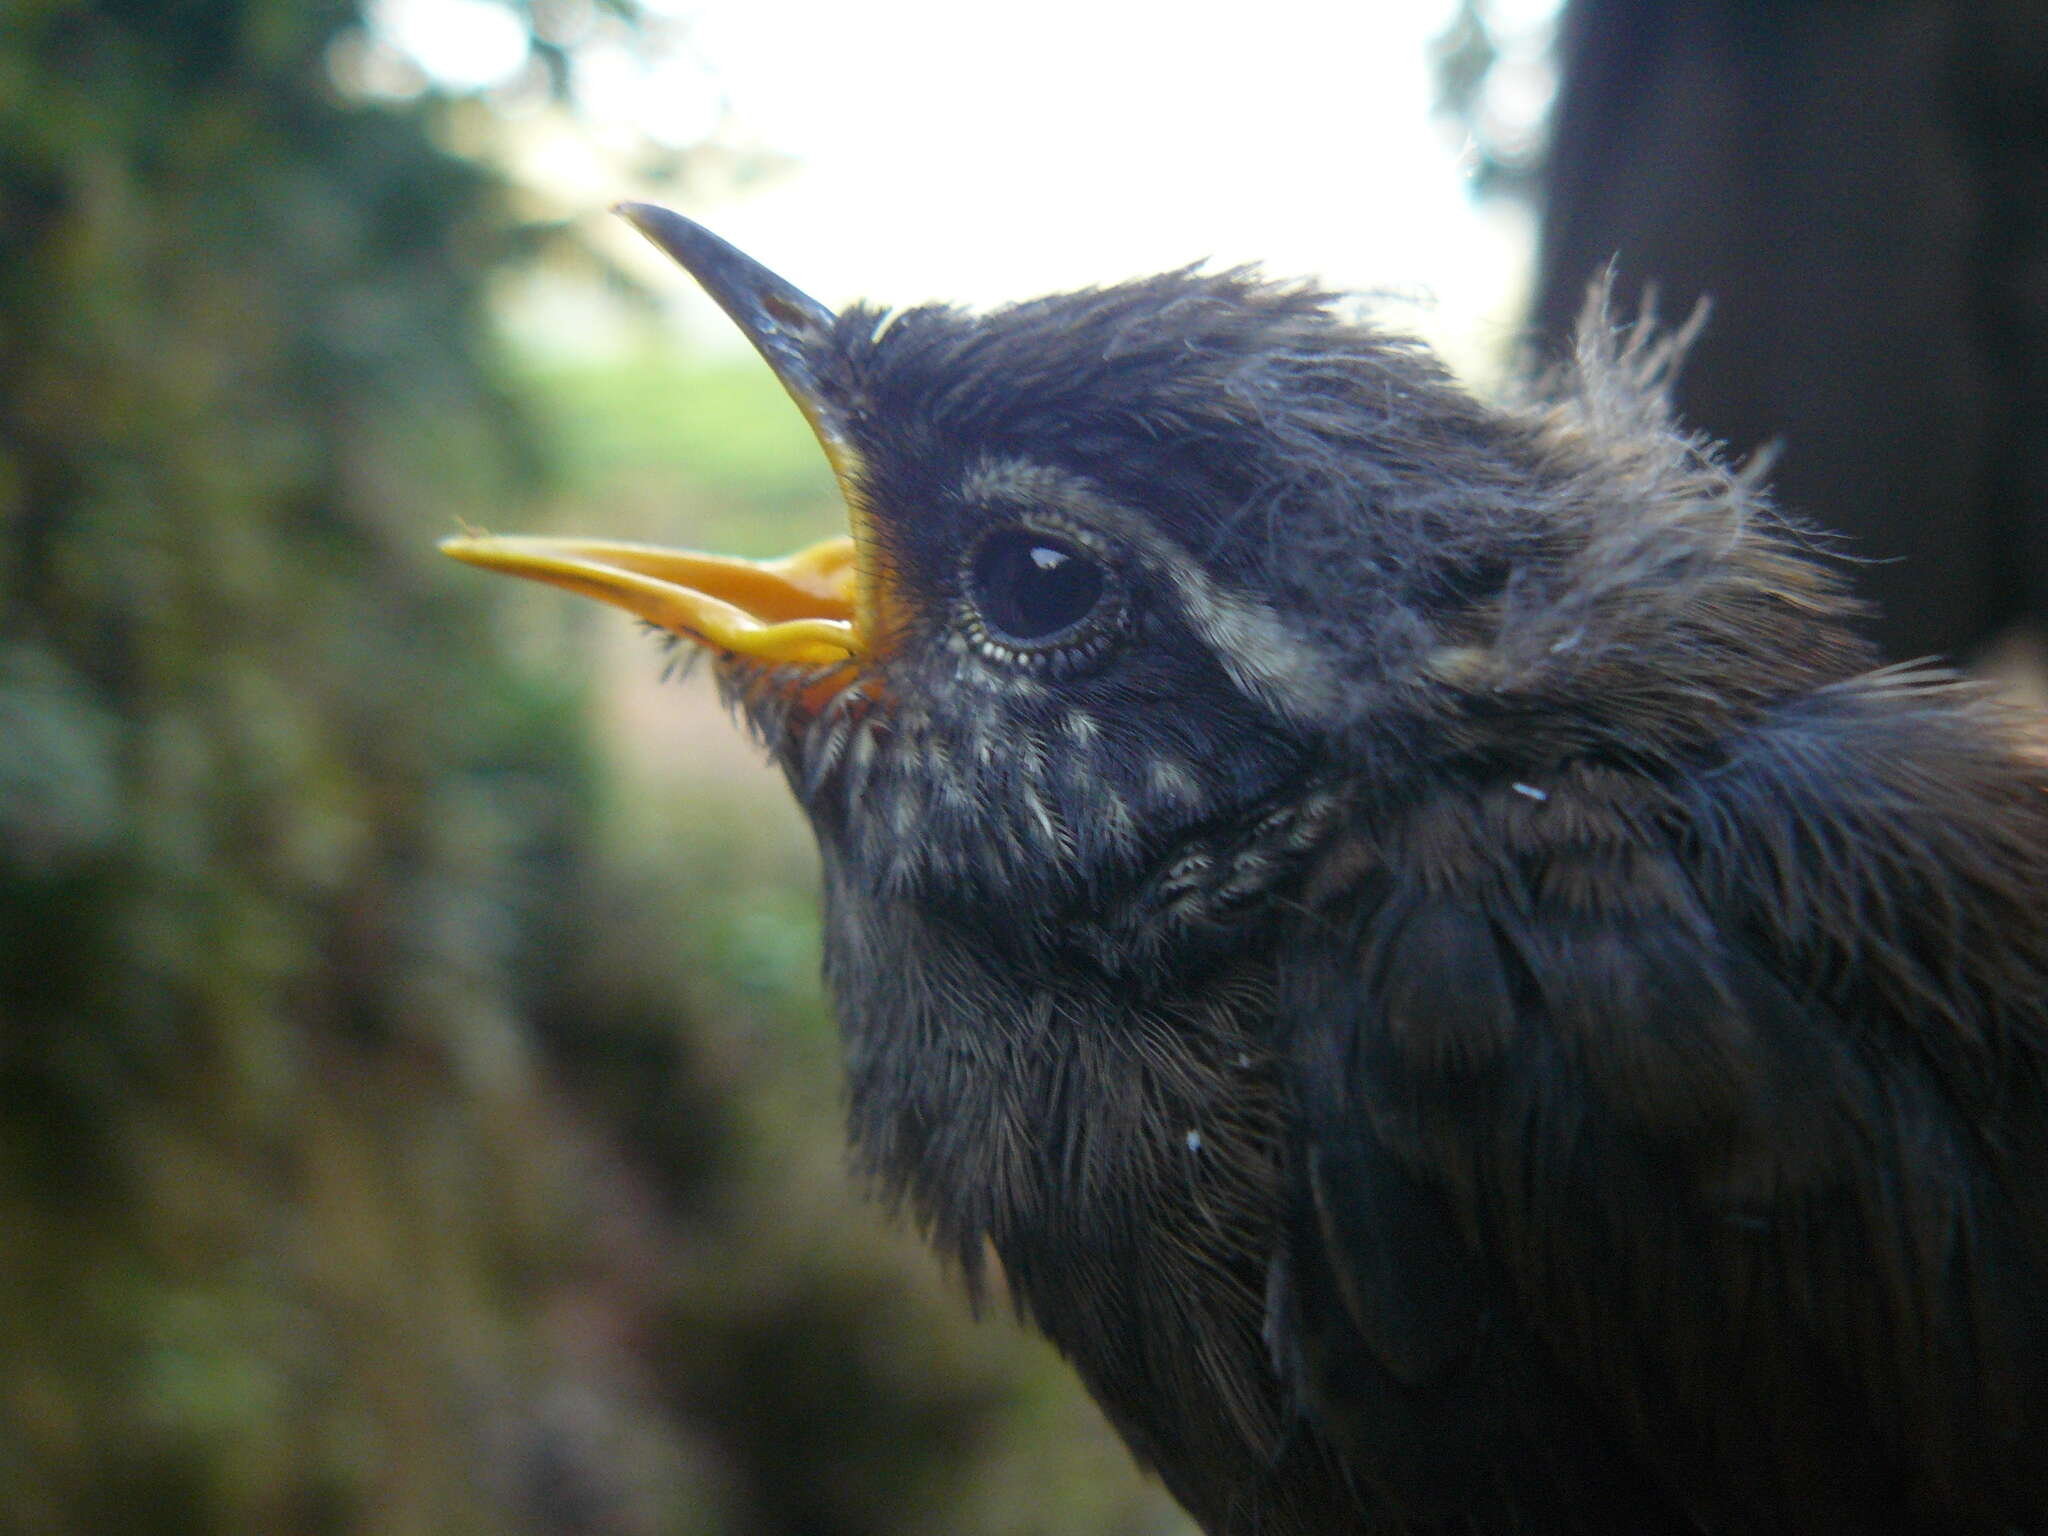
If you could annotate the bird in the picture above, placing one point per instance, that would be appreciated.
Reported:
(1408, 930)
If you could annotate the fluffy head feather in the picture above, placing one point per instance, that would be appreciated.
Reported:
(1318, 534)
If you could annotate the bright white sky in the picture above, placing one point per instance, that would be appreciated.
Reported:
(980, 153)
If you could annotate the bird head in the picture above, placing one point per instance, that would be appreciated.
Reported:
(1123, 565)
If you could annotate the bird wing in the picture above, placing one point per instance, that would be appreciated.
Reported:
(1685, 1137)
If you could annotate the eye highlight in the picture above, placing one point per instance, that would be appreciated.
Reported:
(1034, 595)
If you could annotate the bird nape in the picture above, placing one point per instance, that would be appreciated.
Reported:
(1411, 927)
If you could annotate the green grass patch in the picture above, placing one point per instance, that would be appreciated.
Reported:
(717, 449)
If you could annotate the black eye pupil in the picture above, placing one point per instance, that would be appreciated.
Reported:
(1031, 587)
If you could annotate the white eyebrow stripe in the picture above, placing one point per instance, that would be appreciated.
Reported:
(1251, 642)
(1262, 656)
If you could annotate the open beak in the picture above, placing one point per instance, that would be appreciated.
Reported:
(819, 606)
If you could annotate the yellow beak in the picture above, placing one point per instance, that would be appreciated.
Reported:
(798, 609)
(818, 607)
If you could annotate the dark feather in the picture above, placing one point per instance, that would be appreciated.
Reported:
(1762, 1198)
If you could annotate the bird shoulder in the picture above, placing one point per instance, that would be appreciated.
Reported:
(1708, 1104)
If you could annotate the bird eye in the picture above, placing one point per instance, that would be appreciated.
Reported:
(1034, 589)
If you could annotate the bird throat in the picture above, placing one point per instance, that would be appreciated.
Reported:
(1113, 1138)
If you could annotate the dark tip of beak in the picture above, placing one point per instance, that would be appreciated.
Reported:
(783, 322)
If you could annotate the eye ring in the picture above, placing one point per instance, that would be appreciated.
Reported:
(1041, 595)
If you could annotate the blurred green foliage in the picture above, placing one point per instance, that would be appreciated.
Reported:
(1492, 63)
(722, 442)
(406, 1124)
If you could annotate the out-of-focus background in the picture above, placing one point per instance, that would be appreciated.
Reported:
(417, 1111)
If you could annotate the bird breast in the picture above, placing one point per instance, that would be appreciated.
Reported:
(1120, 1158)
